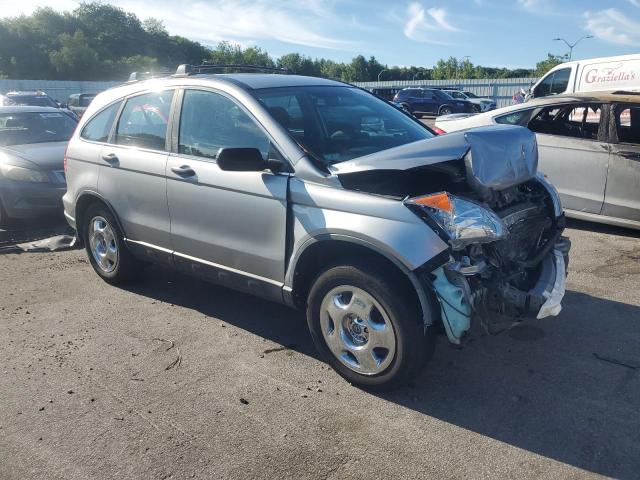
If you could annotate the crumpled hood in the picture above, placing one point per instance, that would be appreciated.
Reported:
(48, 156)
(499, 156)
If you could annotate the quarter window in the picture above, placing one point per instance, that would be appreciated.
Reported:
(210, 121)
(98, 128)
(515, 118)
(144, 120)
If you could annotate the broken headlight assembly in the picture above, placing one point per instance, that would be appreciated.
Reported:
(465, 222)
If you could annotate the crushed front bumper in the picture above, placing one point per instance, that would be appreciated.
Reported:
(497, 307)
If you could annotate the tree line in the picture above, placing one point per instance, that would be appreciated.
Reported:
(97, 41)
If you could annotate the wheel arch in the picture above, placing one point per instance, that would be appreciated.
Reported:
(327, 250)
(83, 202)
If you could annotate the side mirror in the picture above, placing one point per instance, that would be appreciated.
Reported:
(241, 160)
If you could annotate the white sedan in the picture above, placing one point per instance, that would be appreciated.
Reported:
(588, 146)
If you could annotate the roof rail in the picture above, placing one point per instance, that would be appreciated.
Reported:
(137, 76)
(186, 69)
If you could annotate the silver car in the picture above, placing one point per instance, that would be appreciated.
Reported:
(32, 144)
(318, 195)
(589, 146)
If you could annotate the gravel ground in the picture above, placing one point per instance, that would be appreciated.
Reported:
(176, 378)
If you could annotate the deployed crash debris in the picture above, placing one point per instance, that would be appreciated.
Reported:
(51, 244)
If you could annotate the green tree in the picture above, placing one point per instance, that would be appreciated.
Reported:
(545, 65)
(75, 57)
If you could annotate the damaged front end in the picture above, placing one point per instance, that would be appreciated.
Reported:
(503, 222)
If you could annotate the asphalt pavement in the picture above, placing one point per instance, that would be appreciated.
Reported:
(176, 378)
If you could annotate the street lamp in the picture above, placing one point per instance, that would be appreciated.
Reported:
(571, 45)
(383, 70)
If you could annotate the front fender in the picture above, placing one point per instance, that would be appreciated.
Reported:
(383, 224)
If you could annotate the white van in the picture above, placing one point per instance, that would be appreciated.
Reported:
(591, 75)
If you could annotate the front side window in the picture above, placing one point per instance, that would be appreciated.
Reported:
(210, 121)
(576, 121)
(35, 127)
(98, 128)
(560, 81)
(341, 123)
(144, 119)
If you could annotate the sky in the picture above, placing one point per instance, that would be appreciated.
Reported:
(496, 33)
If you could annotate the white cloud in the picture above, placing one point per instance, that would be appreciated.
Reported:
(312, 23)
(613, 26)
(422, 23)
(635, 3)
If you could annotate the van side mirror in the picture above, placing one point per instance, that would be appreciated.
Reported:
(241, 160)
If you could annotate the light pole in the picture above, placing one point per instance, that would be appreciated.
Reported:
(571, 45)
(383, 70)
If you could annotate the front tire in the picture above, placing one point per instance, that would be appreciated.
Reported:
(367, 327)
(107, 252)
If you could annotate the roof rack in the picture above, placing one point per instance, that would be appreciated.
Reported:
(186, 69)
(137, 76)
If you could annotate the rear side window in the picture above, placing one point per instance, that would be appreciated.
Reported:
(144, 119)
(97, 129)
(628, 123)
(210, 121)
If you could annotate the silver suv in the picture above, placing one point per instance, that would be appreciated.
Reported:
(317, 194)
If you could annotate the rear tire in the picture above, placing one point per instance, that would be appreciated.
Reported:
(445, 111)
(4, 218)
(367, 327)
(104, 243)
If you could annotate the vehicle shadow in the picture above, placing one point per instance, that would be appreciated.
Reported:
(19, 231)
(601, 228)
(567, 387)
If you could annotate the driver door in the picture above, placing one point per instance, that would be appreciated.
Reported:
(227, 226)
(573, 153)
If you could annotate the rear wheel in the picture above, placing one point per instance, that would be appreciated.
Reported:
(367, 327)
(105, 247)
(4, 219)
(446, 111)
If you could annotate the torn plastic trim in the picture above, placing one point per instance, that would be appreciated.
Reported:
(455, 306)
(552, 306)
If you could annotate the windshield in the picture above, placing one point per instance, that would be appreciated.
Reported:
(29, 127)
(336, 124)
(33, 100)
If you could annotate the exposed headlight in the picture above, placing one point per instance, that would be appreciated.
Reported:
(21, 174)
(464, 221)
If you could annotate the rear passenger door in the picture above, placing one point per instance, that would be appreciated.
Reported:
(132, 174)
(228, 226)
(622, 196)
(573, 153)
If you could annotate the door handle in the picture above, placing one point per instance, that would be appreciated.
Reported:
(111, 158)
(183, 171)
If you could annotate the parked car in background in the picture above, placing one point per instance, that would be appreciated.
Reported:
(589, 147)
(32, 145)
(37, 98)
(78, 102)
(5, 101)
(621, 72)
(480, 104)
(319, 195)
(427, 101)
(385, 93)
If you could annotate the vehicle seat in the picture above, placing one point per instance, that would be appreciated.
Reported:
(281, 116)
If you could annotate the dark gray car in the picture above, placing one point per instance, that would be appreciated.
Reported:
(32, 145)
(319, 195)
